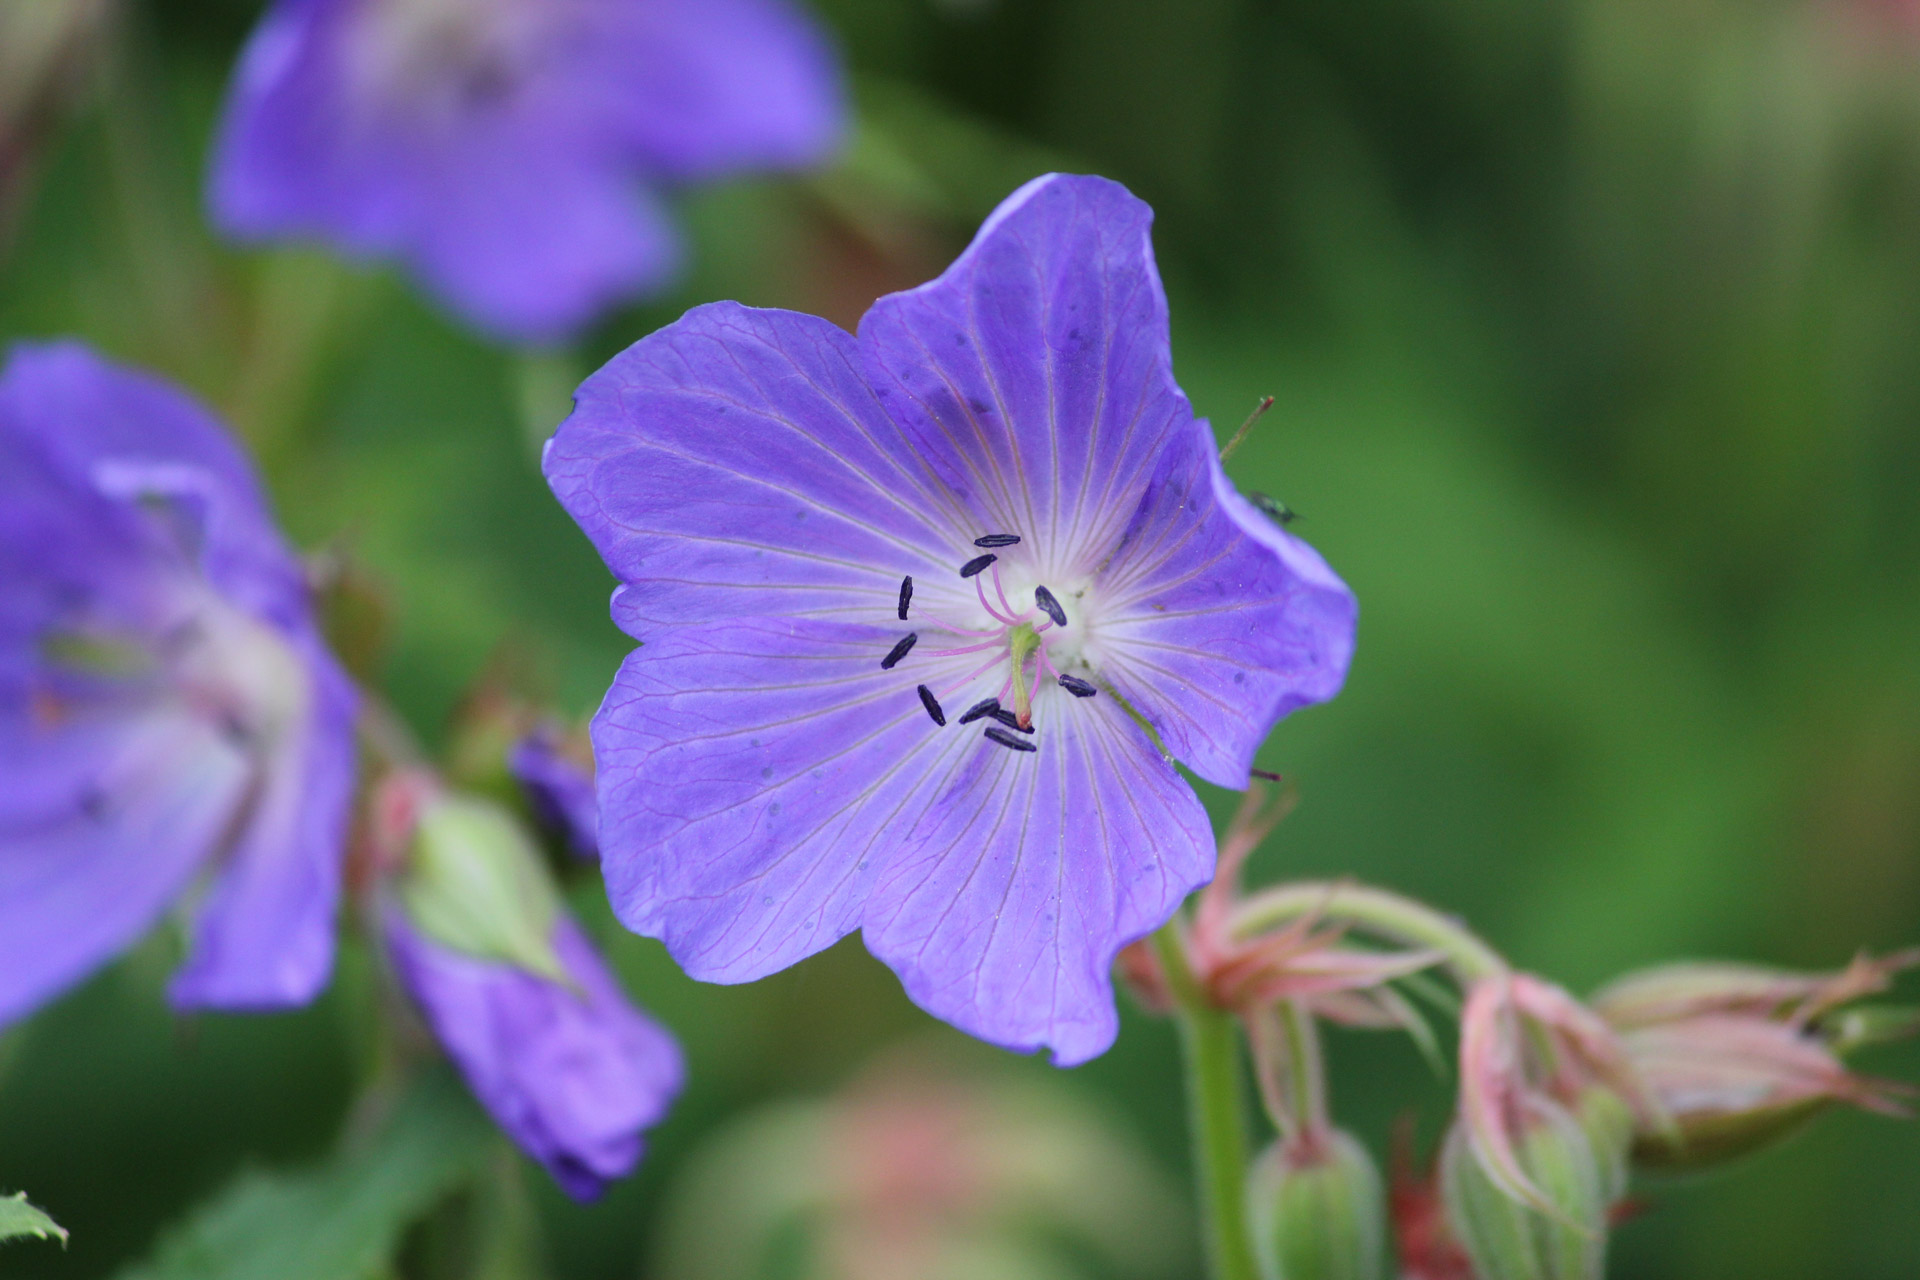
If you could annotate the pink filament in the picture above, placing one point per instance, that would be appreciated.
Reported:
(972, 648)
(970, 677)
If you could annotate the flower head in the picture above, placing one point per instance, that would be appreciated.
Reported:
(507, 150)
(511, 987)
(168, 711)
(928, 614)
(1739, 1055)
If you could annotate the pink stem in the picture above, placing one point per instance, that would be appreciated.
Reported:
(972, 648)
(989, 608)
(970, 677)
(1002, 591)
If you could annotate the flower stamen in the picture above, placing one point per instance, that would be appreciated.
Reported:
(996, 734)
(932, 704)
(899, 650)
(974, 566)
(997, 540)
(906, 595)
(984, 707)
(1049, 605)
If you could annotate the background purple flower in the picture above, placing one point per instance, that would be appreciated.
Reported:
(573, 1076)
(167, 707)
(510, 151)
(560, 790)
(825, 728)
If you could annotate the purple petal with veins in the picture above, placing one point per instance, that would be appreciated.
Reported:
(761, 483)
(168, 713)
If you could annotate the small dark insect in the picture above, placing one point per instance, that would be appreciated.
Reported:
(1273, 507)
(1265, 776)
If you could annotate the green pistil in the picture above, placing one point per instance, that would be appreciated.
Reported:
(1022, 641)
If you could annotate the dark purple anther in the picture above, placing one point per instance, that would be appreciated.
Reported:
(1010, 720)
(906, 595)
(1005, 739)
(976, 564)
(997, 540)
(1050, 606)
(899, 651)
(932, 704)
(1077, 687)
(984, 707)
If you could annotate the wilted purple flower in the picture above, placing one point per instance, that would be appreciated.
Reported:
(508, 151)
(572, 1074)
(167, 708)
(927, 615)
(559, 788)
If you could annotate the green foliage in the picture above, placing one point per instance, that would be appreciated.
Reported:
(20, 1220)
(343, 1219)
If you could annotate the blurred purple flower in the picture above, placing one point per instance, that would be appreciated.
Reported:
(797, 750)
(559, 789)
(572, 1075)
(508, 151)
(167, 707)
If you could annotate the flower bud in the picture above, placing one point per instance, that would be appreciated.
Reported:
(473, 882)
(1317, 1209)
(1609, 1124)
(1733, 1085)
(1510, 1240)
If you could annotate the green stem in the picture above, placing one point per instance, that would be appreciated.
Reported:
(1210, 1052)
(1377, 911)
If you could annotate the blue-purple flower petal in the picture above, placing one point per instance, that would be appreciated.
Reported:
(574, 1076)
(559, 790)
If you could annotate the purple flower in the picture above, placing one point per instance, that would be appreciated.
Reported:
(559, 789)
(927, 616)
(168, 712)
(572, 1075)
(507, 150)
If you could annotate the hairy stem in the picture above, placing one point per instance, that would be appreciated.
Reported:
(1376, 911)
(1210, 1053)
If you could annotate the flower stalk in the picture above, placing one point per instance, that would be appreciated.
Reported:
(1216, 1113)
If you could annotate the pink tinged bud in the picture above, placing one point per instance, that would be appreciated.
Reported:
(1526, 1045)
(1674, 992)
(1317, 1210)
(1564, 1238)
(1733, 1083)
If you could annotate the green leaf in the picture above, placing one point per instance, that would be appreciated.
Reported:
(343, 1219)
(18, 1219)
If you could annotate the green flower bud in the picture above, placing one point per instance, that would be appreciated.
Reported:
(1609, 1124)
(1512, 1240)
(474, 882)
(1317, 1210)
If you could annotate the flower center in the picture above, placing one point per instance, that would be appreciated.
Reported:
(445, 58)
(1029, 644)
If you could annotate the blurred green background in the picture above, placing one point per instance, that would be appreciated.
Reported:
(1594, 327)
